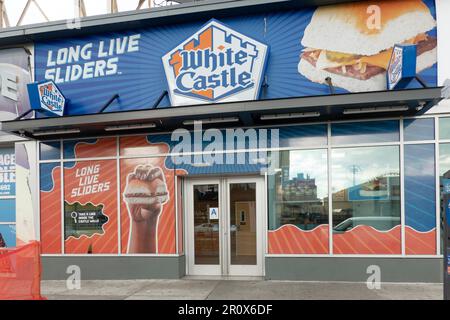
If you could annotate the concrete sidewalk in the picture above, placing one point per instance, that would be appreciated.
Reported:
(236, 290)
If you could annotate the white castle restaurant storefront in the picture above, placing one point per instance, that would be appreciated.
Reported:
(296, 142)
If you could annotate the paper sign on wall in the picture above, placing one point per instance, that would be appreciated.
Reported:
(213, 213)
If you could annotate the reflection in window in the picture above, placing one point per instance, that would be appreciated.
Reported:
(444, 161)
(298, 191)
(420, 199)
(366, 193)
(444, 170)
(444, 128)
(298, 205)
(365, 132)
(418, 129)
(50, 150)
(444, 174)
(206, 230)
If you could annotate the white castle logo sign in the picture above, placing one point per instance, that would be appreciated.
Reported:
(216, 64)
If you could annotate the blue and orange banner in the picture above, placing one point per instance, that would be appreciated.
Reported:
(213, 61)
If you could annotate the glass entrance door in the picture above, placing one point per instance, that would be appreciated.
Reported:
(225, 226)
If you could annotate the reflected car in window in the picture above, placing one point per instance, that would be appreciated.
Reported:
(379, 223)
(207, 227)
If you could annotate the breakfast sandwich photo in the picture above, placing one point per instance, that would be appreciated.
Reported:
(346, 43)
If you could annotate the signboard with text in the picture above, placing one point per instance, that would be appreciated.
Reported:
(257, 56)
(7, 172)
(46, 96)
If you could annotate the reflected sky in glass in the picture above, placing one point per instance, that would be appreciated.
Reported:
(444, 128)
(354, 166)
(444, 158)
(312, 163)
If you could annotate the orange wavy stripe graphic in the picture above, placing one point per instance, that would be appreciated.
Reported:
(166, 231)
(362, 240)
(51, 216)
(291, 240)
(420, 242)
(373, 239)
(367, 240)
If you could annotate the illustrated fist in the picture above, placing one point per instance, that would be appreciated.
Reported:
(145, 193)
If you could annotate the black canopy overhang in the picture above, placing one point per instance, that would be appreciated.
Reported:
(248, 113)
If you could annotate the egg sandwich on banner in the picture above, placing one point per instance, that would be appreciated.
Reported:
(353, 46)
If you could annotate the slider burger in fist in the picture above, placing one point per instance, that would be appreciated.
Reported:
(146, 189)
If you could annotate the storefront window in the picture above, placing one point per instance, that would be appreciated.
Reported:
(50, 207)
(50, 150)
(148, 214)
(90, 207)
(365, 132)
(420, 199)
(298, 208)
(90, 148)
(444, 174)
(144, 145)
(418, 129)
(366, 200)
(444, 128)
(445, 161)
(303, 136)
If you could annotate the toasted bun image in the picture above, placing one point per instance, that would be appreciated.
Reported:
(375, 83)
(347, 28)
(346, 43)
(146, 186)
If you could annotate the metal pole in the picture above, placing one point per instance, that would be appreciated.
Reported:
(161, 97)
(114, 97)
(82, 8)
(1, 13)
(112, 6)
(25, 9)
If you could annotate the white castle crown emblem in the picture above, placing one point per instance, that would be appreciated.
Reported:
(216, 64)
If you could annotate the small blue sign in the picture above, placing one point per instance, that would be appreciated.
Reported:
(402, 66)
(46, 96)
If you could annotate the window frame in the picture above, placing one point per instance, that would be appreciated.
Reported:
(329, 146)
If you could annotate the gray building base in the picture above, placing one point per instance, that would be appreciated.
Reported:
(354, 269)
(114, 267)
(277, 268)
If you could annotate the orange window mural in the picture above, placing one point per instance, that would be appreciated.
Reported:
(90, 207)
